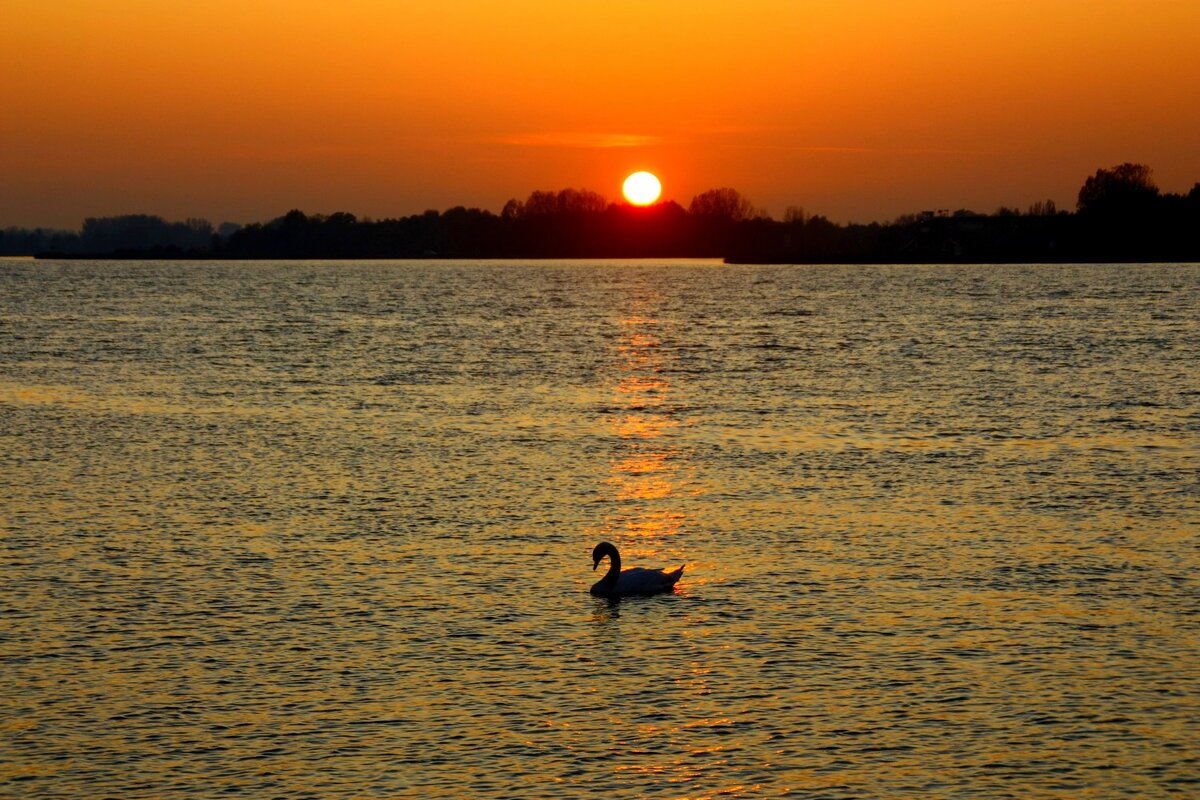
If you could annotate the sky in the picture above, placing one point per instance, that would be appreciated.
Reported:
(860, 110)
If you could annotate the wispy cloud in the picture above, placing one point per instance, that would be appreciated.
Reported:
(804, 148)
(580, 139)
(726, 137)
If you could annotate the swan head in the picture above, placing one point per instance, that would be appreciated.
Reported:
(600, 551)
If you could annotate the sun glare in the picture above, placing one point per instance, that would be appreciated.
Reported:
(642, 188)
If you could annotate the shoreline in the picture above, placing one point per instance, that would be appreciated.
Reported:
(729, 260)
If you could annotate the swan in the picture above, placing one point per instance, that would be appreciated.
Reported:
(635, 580)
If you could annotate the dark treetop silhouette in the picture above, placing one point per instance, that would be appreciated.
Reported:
(1120, 216)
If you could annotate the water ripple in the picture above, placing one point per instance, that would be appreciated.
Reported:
(321, 530)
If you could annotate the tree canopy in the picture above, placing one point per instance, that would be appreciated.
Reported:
(1122, 188)
(724, 204)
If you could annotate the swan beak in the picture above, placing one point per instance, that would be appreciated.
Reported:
(594, 565)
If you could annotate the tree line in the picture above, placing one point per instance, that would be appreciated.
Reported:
(108, 235)
(1120, 215)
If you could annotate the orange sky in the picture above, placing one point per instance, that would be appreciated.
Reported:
(856, 109)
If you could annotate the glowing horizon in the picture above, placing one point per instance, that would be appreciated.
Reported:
(859, 110)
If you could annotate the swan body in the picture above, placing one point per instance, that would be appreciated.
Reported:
(635, 580)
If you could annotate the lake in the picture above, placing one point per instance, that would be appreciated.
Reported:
(323, 529)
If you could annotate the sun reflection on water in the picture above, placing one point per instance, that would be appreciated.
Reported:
(647, 468)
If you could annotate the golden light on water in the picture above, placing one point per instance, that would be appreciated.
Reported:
(267, 546)
(645, 473)
(649, 477)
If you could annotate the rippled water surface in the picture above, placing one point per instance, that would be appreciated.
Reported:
(323, 530)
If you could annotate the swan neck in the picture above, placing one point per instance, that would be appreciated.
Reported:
(614, 565)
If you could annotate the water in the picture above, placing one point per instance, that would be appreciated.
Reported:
(323, 530)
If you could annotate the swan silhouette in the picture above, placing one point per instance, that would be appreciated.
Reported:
(635, 580)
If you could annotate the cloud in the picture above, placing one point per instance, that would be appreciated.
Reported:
(806, 148)
(727, 137)
(580, 139)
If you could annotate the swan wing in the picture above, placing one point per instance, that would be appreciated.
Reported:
(638, 580)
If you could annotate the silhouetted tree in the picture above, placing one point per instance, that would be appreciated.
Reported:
(1123, 188)
(1045, 208)
(723, 203)
(25, 242)
(1123, 217)
(513, 209)
(144, 232)
(548, 204)
(581, 201)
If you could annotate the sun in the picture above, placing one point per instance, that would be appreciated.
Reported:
(642, 188)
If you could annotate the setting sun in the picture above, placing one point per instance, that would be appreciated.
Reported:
(642, 188)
